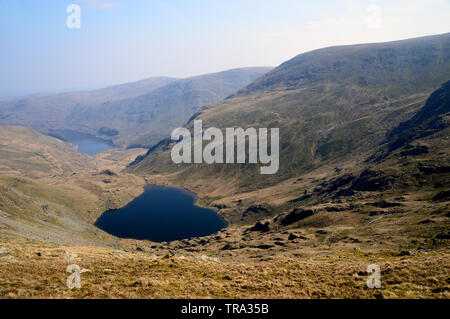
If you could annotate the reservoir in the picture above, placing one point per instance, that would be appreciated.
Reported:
(161, 214)
(86, 143)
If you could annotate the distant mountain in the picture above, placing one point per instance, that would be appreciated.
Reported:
(134, 113)
(47, 111)
(331, 106)
(146, 119)
(129, 90)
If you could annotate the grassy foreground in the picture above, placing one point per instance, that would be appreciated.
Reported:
(36, 271)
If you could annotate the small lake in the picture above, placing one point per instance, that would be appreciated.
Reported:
(161, 214)
(86, 143)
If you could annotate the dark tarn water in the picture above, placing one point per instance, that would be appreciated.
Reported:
(161, 214)
(87, 143)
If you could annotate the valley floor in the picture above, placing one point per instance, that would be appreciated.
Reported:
(296, 239)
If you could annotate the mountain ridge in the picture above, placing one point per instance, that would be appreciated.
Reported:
(311, 71)
(166, 107)
(326, 122)
(127, 108)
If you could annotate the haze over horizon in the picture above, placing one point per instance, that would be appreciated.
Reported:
(121, 41)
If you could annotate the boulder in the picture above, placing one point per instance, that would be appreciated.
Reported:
(293, 236)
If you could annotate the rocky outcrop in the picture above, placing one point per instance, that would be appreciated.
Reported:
(370, 180)
(293, 236)
(220, 206)
(296, 215)
(428, 120)
(432, 169)
(256, 209)
(444, 195)
(384, 204)
(262, 227)
(413, 151)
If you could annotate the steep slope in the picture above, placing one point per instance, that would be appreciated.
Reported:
(331, 105)
(430, 119)
(134, 113)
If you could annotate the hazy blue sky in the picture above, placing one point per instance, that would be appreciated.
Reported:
(121, 41)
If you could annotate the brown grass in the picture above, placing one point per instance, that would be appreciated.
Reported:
(118, 274)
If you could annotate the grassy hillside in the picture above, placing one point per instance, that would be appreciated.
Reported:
(51, 193)
(343, 198)
(330, 133)
(331, 105)
(394, 68)
(32, 154)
